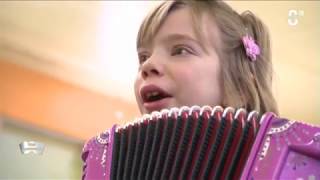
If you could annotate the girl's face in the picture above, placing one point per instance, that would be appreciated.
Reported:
(177, 69)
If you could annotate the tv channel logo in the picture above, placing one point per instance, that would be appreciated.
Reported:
(28, 147)
(293, 16)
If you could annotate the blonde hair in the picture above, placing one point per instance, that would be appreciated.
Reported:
(245, 83)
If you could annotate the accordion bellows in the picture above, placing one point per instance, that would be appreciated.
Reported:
(205, 143)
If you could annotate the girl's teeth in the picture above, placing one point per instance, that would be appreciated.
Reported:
(155, 93)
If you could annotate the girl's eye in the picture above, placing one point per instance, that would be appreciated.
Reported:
(181, 51)
(142, 58)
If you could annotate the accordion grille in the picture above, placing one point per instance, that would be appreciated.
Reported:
(185, 143)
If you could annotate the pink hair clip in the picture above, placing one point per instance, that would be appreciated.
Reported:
(252, 49)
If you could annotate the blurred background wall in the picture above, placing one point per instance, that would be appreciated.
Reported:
(67, 71)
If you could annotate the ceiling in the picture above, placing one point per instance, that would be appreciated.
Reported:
(92, 44)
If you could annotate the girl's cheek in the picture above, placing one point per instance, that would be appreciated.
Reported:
(184, 75)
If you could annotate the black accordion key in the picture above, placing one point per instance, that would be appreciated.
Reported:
(138, 149)
(195, 146)
(183, 145)
(173, 147)
(230, 172)
(217, 147)
(155, 148)
(170, 123)
(251, 129)
(230, 147)
(210, 134)
(130, 152)
(147, 149)
(115, 154)
(122, 152)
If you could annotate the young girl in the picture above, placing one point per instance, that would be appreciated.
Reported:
(197, 53)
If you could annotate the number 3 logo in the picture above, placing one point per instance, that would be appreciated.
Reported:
(293, 17)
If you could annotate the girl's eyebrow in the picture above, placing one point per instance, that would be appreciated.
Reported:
(177, 37)
(172, 38)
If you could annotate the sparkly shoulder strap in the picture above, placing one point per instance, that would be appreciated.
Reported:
(97, 156)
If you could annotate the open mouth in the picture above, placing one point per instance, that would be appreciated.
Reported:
(154, 96)
(153, 93)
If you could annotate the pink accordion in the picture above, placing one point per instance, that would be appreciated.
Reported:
(205, 143)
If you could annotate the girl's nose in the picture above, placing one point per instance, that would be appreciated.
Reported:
(151, 68)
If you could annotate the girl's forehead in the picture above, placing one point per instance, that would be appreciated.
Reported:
(178, 25)
(182, 23)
